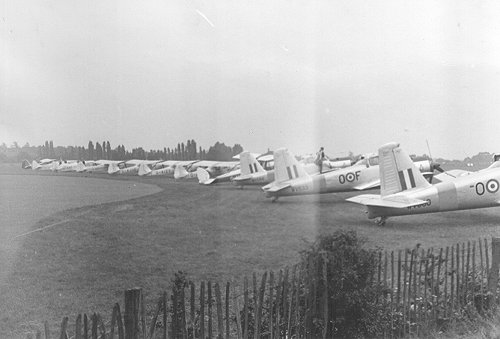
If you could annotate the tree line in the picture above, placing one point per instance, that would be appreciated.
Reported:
(188, 150)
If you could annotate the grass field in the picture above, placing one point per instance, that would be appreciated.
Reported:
(216, 233)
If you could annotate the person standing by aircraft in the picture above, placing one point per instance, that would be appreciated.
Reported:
(320, 157)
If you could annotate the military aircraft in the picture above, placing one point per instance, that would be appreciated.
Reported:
(145, 170)
(292, 179)
(252, 172)
(205, 178)
(69, 166)
(404, 191)
(44, 164)
(180, 172)
(131, 166)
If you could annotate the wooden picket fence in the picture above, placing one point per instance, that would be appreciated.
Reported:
(423, 290)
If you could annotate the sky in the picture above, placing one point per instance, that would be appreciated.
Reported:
(347, 75)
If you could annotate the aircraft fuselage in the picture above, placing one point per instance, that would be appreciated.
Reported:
(477, 190)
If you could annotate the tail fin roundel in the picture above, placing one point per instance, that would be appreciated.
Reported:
(397, 171)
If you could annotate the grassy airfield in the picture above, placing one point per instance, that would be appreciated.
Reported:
(212, 233)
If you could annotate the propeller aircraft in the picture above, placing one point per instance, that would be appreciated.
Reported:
(404, 191)
(291, 178)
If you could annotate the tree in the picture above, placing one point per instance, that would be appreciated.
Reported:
(237, 149)
(98, 151)
(91, 151)
(108, 151)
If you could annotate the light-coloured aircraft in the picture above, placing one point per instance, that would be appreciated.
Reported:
(180, 172)
(131, 166)
(404, 191)
(44, 165)
(69, 166)
(252, 172)
(292, 179)
(145, 170)
(97, 166)
(205, 178)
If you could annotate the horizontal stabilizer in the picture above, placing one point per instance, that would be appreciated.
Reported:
(393, 202)
(368, 185)
(276, 188)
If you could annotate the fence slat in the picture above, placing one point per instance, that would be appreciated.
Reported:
(209, 297)
(192, 308)
(78, 326)
(227, 308)
(202, 310)
(152, 327)
(258, 317)
(245, 308)
(218, 303)
(237, 312)
(271, 302)
(64, 326)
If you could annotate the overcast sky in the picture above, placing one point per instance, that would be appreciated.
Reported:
(346, 75)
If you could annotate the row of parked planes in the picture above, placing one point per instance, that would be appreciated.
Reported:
(406, 186)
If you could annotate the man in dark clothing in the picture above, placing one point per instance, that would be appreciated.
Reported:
(320, 156)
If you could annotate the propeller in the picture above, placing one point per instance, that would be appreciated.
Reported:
(435, 166)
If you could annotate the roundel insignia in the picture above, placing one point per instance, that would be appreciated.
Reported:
(492, 186)
(350, 177)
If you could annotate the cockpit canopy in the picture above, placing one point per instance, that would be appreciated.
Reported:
(368, 160)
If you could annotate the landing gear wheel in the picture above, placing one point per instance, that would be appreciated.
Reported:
(381, 221)
(274, 199)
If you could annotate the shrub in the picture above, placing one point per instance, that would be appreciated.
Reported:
(342, 264)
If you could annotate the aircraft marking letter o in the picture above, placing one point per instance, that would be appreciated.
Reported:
(349, 177)
(479, 188)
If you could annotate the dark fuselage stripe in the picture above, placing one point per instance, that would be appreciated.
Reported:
(412, 179)
(289, 173)
(251, 169)
(402, 180)
(295, 171)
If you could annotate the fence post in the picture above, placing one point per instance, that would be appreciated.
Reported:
(132, 306)
(495, 263)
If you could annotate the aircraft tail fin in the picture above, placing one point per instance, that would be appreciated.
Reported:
(144, 170)
(397, 171)
(113, 168)
(286, 167)
(249, 164)
(180, 172)
(203, 175)
(35, 165)
(80, 167)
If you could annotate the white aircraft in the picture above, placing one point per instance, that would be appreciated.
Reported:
(180, 172)
(205, 178)
(98, 166)
(252, 172)
(292, 179)
(144, 169)
(69, 166)
(114, 168)
(405, 191)
(44, 165)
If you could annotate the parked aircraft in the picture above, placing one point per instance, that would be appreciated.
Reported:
(44, 165)
(252, 172)
(144, 169)
(181, 172)
(405, 191)
(205, 178)
(69, 166)
(131, 166)
(292, 179)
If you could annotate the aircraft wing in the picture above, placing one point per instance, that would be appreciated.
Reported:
(393, 202)
(369, 185)
(277, 187)
(451, 175)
